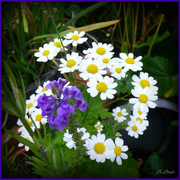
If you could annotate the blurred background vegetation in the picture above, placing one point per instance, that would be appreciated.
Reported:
(149, 29)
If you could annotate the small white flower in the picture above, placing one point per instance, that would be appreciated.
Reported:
(144, 98)
(143, 122)
(144, 80)
(100, 50)
(119, 114)
(22, 129)
(107, 60)
(138, 112)
(129, 62)
(59, 46)
(41, 90)
(31, 103)
(71, 64)
(98, 126)
(91, 69)
(99, 149)
(117, 71)
(119, 150)
(135, 128)
(47, 52)
(37, 117)
(26, 136)
(105, 86)
(69, 139)
(76, 38)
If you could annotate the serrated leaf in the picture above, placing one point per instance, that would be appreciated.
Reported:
(161, 70)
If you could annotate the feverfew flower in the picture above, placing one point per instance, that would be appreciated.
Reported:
(60, 46)
(98, 148)
(37, 117)
(75, 38)
(31, 103)
(99, 127)
(144, 98)
(143, 122)
(144, 80)
(129, 62)
(138, 112)
(105, 86)
(107, 60)
(47, 52)
(119, 114)
(71, 64)
(119, 150)
(69, 139)
(117, 71)
(26, 136)
(100, 50)
(41, 90)
(91, 69)
(135, 128)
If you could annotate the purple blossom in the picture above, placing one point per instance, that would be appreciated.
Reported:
(56, 107)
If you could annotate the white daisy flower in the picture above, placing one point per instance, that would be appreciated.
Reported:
(119, 114)
(100, 50)
(119, 150)
(71, 64)
(144, 98)
(47, 52)
(22, 129)
(76, 38)
(26, 136)
(99, 149)
(117, 71)
(99, 127)
(59, 46)
(129, 62)
(91, 68)
(31, 103)
(135, 128)
(118, 134)
(41, 90)
(144, 122)
(37, 117)
(105, 86)
(69, 139)
(144, 80)
(107, 60)
(141, 114)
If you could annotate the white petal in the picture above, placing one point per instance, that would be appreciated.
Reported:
(118, 160)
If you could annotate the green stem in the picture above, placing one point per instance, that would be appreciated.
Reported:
(152, 43)
(44, 127)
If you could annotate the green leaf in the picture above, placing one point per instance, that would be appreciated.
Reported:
(25, 24)
(175, 87)
(160, 69)
(157, 40)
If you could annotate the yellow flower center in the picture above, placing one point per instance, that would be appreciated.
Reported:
(29, 122)
(117, 150)
(27, 138)
(105, 60)
(139, 119)
(101, 87)
(44, 89)
(29, 105)
(100, 51)
(134, 128)
(144, 83)
(139, 112)
(75, 37)
(92, 68)
(45, 53)
(98, 127)
(143, 98)
(38, 117)
(130, 60)
(58, 44)
(71, 63)
(119, 114)
(99, 148)
(118, 70)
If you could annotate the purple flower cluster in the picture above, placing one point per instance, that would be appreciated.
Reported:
(56, 106)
